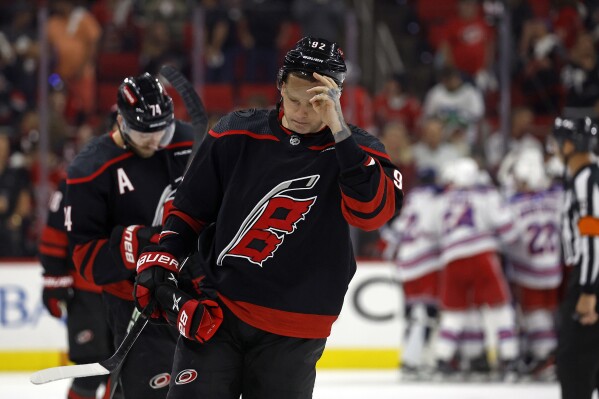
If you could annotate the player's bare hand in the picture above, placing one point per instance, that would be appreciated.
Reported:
(585, 308)
(326, 102)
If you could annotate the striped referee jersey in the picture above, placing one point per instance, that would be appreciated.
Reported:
(580, 226)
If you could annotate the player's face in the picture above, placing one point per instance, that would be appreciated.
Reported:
(299, 115)
(146, 144)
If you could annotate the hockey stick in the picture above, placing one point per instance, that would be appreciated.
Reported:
(114, 379)
(110, 366)
(193, 104)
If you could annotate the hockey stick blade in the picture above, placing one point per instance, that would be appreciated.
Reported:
(107, 366)
(63, 372)
(193, 104)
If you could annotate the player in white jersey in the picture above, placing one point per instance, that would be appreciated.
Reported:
(412, 244)
(472, 219)
(534, 260)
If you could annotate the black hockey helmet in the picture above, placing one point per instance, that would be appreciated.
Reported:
(582, 132)
(312, 54)
(145, 107)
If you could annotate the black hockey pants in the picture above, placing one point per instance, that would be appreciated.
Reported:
(241, 359)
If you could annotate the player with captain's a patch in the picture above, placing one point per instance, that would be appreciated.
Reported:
(272, 195)
(117, 188)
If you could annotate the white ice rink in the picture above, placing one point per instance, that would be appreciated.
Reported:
(334, 385)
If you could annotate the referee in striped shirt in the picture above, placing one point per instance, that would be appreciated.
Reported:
(578, 329)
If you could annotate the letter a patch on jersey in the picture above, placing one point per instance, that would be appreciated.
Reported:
(274, 217)
(124, 182)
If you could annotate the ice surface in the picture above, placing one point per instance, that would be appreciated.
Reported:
(332, 385)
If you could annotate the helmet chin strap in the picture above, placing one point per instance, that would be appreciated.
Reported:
(126, 142)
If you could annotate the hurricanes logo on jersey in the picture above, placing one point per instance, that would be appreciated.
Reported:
(274, 217)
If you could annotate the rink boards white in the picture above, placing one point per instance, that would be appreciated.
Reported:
(366, 335)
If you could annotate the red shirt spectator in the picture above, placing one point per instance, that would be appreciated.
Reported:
(356, 104)
(393, 104)
(468, 43)
(567, 24)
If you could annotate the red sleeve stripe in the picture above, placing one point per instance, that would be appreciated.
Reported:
(374, 152)
(84, 256)
(53, 236)
(99, 171)
(379, 219)
(180, 144)
(56, 252)
(321, 147)
(245, 133)
(373, 204)
(196, 225)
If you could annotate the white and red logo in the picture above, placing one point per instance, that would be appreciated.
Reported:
(160, 381)
(186, 376)
(274, 216)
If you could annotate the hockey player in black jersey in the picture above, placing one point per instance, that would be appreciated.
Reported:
(64, 290)
(578, 329)
(272, 194)
(116, 190)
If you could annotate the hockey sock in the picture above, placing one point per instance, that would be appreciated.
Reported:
(540, 333)
(501, 320)
(450, 327)
(415, 336)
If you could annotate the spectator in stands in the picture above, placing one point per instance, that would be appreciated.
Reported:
(567, 21)
(20, 56)
(581, 78)
(396, 139)
(74, 34)
(221, 45)
(394, 103)
(159, 48)
(174, 13)
(320, 18)
(539, 66)
(432, 152)
(501, 155)
(263, 30)
(15, 201)
(357, 103)
(116, 18)
(453, 99)
(469, 42)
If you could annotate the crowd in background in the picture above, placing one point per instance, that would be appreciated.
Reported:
(423, 122)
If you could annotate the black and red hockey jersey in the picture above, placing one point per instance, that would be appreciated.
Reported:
(53, 246)
(281, 257)
(108, 187)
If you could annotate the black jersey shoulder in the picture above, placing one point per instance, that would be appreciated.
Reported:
(365, 139)
(99, 153)
(183, 132)
(252, 121)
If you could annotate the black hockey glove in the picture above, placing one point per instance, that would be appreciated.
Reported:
(58, 290)
(196, 319)
(126, 243)
(154, 267)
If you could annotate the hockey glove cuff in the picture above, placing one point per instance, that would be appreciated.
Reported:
(154, 267)
(195, 319)
(58, 290)
(126, 243)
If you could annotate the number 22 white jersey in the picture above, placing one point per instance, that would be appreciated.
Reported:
(535, 259)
